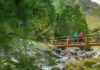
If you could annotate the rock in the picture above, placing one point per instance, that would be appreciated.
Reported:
(97, 54)
(46, 68)
(59, 67)
(94, 65)
(14, 60)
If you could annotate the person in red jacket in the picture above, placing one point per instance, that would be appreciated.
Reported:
(81, 37)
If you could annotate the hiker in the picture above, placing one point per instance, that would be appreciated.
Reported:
(76, 37)
(67, 39)
(80, 37)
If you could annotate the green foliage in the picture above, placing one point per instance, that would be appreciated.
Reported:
(39, 19)
(71, 20)
(26, 55)
(84, 64)
(26, 19)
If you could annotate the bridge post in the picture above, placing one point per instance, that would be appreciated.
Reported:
(67, 42)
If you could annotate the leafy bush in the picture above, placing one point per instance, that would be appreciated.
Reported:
(27, 55)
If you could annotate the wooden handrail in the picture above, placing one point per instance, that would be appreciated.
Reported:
(63, 40)
(71, 36)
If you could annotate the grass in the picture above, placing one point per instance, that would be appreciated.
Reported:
(84, 64)
(93, 22)
(96, 47)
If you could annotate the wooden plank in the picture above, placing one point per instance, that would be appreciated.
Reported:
(78, 44)
(94, 44)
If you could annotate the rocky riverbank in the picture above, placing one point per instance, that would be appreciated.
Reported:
(70, 54)
(30, 55)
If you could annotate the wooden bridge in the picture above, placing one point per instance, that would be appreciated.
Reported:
(64, 41)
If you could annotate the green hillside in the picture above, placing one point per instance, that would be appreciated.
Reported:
(93, 22)
(92, 11)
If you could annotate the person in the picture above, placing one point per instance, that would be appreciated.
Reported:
(80, 37)
(68, 39)
(76, 37)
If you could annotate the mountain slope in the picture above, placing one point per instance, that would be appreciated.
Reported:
(92, 11)
(93, 22)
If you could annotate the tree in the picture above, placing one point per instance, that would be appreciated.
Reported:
(71, 20)
(27, 19)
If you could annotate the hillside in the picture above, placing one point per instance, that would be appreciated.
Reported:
(90, 7)
(92, 11)
(93, 22)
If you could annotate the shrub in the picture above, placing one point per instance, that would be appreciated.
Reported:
(84, 64)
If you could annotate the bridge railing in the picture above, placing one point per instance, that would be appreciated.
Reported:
(63, 39)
